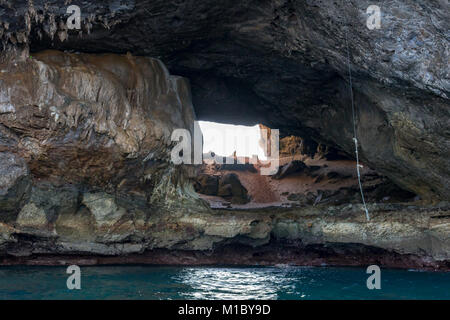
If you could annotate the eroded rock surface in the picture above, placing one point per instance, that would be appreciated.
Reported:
(397, 236)
(14, 185)
(85, 151)
(284, 63)
(85, 138)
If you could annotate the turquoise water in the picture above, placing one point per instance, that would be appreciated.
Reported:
(148, 282)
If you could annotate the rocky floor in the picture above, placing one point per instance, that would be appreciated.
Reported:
(301, 181)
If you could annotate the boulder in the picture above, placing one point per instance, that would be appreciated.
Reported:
(295, 166)
(207, 184)
(230, 187)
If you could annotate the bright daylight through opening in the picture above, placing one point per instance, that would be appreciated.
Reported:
(225, 139)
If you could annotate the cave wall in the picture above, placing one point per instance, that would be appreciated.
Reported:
(284, 64)
(85, 130)
(96, 122)
(85, 143)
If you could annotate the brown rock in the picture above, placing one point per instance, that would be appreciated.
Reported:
(230, 187)
(225, 190)
(93, 119)
(207, 184)
(295, 166)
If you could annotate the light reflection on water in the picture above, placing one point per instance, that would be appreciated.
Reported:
(226, 284)
(147, 282)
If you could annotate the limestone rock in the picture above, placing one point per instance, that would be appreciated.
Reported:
(104, 209)
(100, 120)
(78, 226)
(14, 185)
(32, 217)
(76, 125)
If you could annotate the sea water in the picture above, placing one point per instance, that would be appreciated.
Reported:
(150, 282)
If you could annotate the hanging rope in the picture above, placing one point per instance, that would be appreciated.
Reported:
(358, 166)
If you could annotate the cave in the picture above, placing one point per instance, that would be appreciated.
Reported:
(87, 116)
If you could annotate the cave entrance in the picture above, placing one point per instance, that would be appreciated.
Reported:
(306, 176)
(228, 140)
(234, 159)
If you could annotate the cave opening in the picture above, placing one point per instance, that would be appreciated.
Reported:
(88, 116)
(307, 174)
(228, 140)
(316, 149)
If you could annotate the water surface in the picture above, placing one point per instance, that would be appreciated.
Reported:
(149, 282)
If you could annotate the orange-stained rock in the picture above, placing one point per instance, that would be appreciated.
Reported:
(100, 120)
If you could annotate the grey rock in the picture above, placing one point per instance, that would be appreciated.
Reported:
(15, 185)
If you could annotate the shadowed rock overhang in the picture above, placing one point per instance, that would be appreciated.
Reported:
(283, 63)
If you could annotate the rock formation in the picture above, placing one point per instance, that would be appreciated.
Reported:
(86, 118)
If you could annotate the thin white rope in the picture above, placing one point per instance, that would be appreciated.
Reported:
(355, 139)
